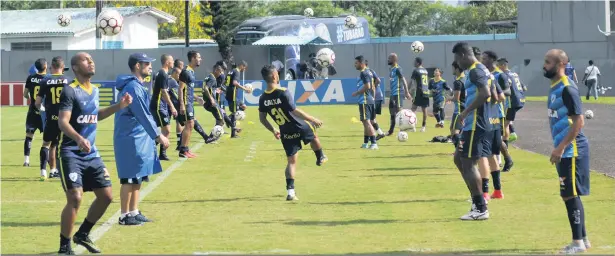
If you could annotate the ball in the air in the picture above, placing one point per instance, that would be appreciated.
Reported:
(325, 57)
(308, 12)
(405, 119)
(248, 87)
(110, 22)
(402, 136)
(417, 47)
(351, 22)
(64, 20)
(589, 114)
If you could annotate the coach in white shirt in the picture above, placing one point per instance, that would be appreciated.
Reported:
(591, 80)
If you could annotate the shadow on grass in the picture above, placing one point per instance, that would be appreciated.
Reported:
(397, 169)
(220, 200)
(349, 222)
(408, 175)
(390, 202)
(12, 139)
(34, 224)
(465, 251)
(414, 155)
(17, 179)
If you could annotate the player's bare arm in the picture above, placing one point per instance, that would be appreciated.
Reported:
(405, 83)
(26, 93)
(68, 130)
(108, 111)
(299, 113)
(262, 116)
(236, 83)
(180, 98)
(38, 102)
(577, 124)
(366, 86)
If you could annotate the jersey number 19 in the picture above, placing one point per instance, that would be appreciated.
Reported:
(55, 95)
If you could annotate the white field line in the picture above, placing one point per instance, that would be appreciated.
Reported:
(252, 153)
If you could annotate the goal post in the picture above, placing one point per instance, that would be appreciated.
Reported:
(607, 19)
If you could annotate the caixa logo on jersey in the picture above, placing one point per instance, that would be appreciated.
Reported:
(87, 119)
(310, 92)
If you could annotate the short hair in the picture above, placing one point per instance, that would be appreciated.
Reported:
(40, 63)
(491, 54)
(462, 48)
(360, 58)
(456, 66)
(164, 58)
(366, 62)
(192, 54)
(57, 62)
(418, 60)
(591, 62)
(476, 51)
(267, 71)
(502, 61)
(437, 68)
(222, 64)
(177, 63)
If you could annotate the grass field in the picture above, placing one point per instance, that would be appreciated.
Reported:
(609, 100)
(405, 197)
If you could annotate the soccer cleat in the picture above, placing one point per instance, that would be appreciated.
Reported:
(54, 175)
(364, 145)
(380, 136)
(497, 194)
(487, 197)
(238, 130)
(507, 165)
(373, 146)
(322, 160)
(130, 221)
(26, 164)
(85, 241)
(587, 243)
(574, 248)
(292, 198)
(163, 157)
(235, 137)
(66, 250)
(186, 154)
(423, 129)
(389, 133)
(211, 140)
(140, 217)
(475, 214)
(512, 137)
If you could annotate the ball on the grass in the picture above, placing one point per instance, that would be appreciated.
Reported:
(589, 114)
(402, 136)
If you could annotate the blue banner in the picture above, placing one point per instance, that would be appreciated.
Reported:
(305, 92)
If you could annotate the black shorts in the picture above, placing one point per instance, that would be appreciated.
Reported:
(291, 140)
(438, 105)
(89, 174)
(378, 107)
(232, 106)
(215, 111)
(135, 181)
(573, 176)
(420, 102)
(34, 122)
(52, 130)
(186, 117)
(396, 101)
(496, 143)
(162, 117)
(366, 112)
(455, 124)
(476, 144)
(512, 113)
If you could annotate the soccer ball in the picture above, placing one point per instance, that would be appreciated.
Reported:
(402, 136)
(589, 114)
(325, 57)
(351, 21)
(240, 115)
(417, 46)
(308, 12)
(405, 120)
(110, 22)
(64, 20)
(248, 87)
(217, 131)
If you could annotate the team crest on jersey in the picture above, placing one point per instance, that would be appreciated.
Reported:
(561, 181)
(552, 98)
(73, 176)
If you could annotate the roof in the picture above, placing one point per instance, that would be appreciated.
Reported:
(43, 22)
(512, 23)
(291, 40)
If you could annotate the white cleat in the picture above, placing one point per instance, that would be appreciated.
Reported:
(423, 129)
(373, 146)
(475, 214)
(574, 248)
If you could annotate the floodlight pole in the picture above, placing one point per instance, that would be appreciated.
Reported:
(187, 22)
(99, 5)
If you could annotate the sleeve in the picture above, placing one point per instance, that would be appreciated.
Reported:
(457, 85)
(587, 70)
(43, 89)
(400, 72)
(479, 78)
(415, 74)
(67, 97)
(235, 76)
(183, 76)
(445, 86)
(598, 71)
(261, 105)
(365, 78)
(503, 82)
(140, 110)
(572, 101)
(430, 84)
(164, 84)
(288, 103)
(498, 88)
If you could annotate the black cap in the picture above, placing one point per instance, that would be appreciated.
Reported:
(138, 57)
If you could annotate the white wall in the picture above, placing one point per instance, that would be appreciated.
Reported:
(57, 43)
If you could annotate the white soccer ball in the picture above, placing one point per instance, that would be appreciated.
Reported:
(417, 47)
(405, 120)
(110, 22)
(249, 87)
(589, 114)
(402, 136)
(325, 57)
(64, 20)
(308, 12)
(217, 131)
(240, 115)
(351, 22)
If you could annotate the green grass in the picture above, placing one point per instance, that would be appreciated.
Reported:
(609, 100)
(406, 197)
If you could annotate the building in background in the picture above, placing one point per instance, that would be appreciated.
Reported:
(26, 30)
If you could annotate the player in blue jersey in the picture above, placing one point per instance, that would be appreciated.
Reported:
(33, 117)
(378, 98)
(50, 90)
(516, 101)
(210, 85)
(476, 140)
(571, 148)
(365, 95)
(399, 90)
(571, 72)
(459, 99)
(439, 89)
(82, 168)
(295, 125)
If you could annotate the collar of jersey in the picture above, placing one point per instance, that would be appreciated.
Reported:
(189, 68)
(76, 83)
(474, 65)
(434, 79)
(462, 75)
(272, 90)
(563, 80)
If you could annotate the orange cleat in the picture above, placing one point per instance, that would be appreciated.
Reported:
(486, 196)
(497, 194)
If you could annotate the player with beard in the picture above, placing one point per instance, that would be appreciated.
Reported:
(378, 98)
(33, 117)
(365, 95)
(421, 82)
(399, 90)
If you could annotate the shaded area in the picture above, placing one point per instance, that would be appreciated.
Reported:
(219, 200)
(350, 222)
(390, 202)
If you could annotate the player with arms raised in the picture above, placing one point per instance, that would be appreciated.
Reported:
(294, 125)
(82, 168)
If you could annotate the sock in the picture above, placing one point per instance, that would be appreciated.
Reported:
(376, 126)
(372, 139)
(124, 215)
(479, 202)
(506, 142)
(27, 144)
(162, 150)
(437, 116)
(64, 241)
(318, 153)
(442, 114)
(485, 185)
(392, 125)
(27, 159)
(44, 153)
(134, 213)
(584, 233)
(179, 138)
(424, 123)
(233, 132)
(227, 120)
(497, 185)
(573, 206)
(512, 128)
(365, 139)
(86, 227)
(200, 130)
(290, 183)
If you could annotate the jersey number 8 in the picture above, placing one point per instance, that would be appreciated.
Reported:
(279, 116)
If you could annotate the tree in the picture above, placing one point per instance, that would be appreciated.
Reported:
(396, 18)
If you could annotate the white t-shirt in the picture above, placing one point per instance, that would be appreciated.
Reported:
(592, 72)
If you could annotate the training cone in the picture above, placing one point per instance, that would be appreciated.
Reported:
(250, 122)
(354, 120)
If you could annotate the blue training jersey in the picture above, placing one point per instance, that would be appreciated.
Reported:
(569, 71)
(517, 97)
(379, 94)
(437, 89)
(365, 77)
(83, 103)
(481, 118)
(395, 80)
(458, 85)
(563, 102)
(496, 78)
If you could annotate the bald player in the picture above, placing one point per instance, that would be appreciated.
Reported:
(399, 89)
(571, 148)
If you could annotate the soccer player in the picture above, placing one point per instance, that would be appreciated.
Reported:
(516, 102)
(295, 125)
(421, 82)
(438, 88)
(161, 105)
(232, 83)
(178, 66)
(399, 89)
(221, 90)
(477, 136)
(187, 82)
(571, 148)
(379, 98)
(82, 168)
(210, 84)
(365, 94)
(33, 118)
(50, 89)
(459, 99)
(571, 72)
